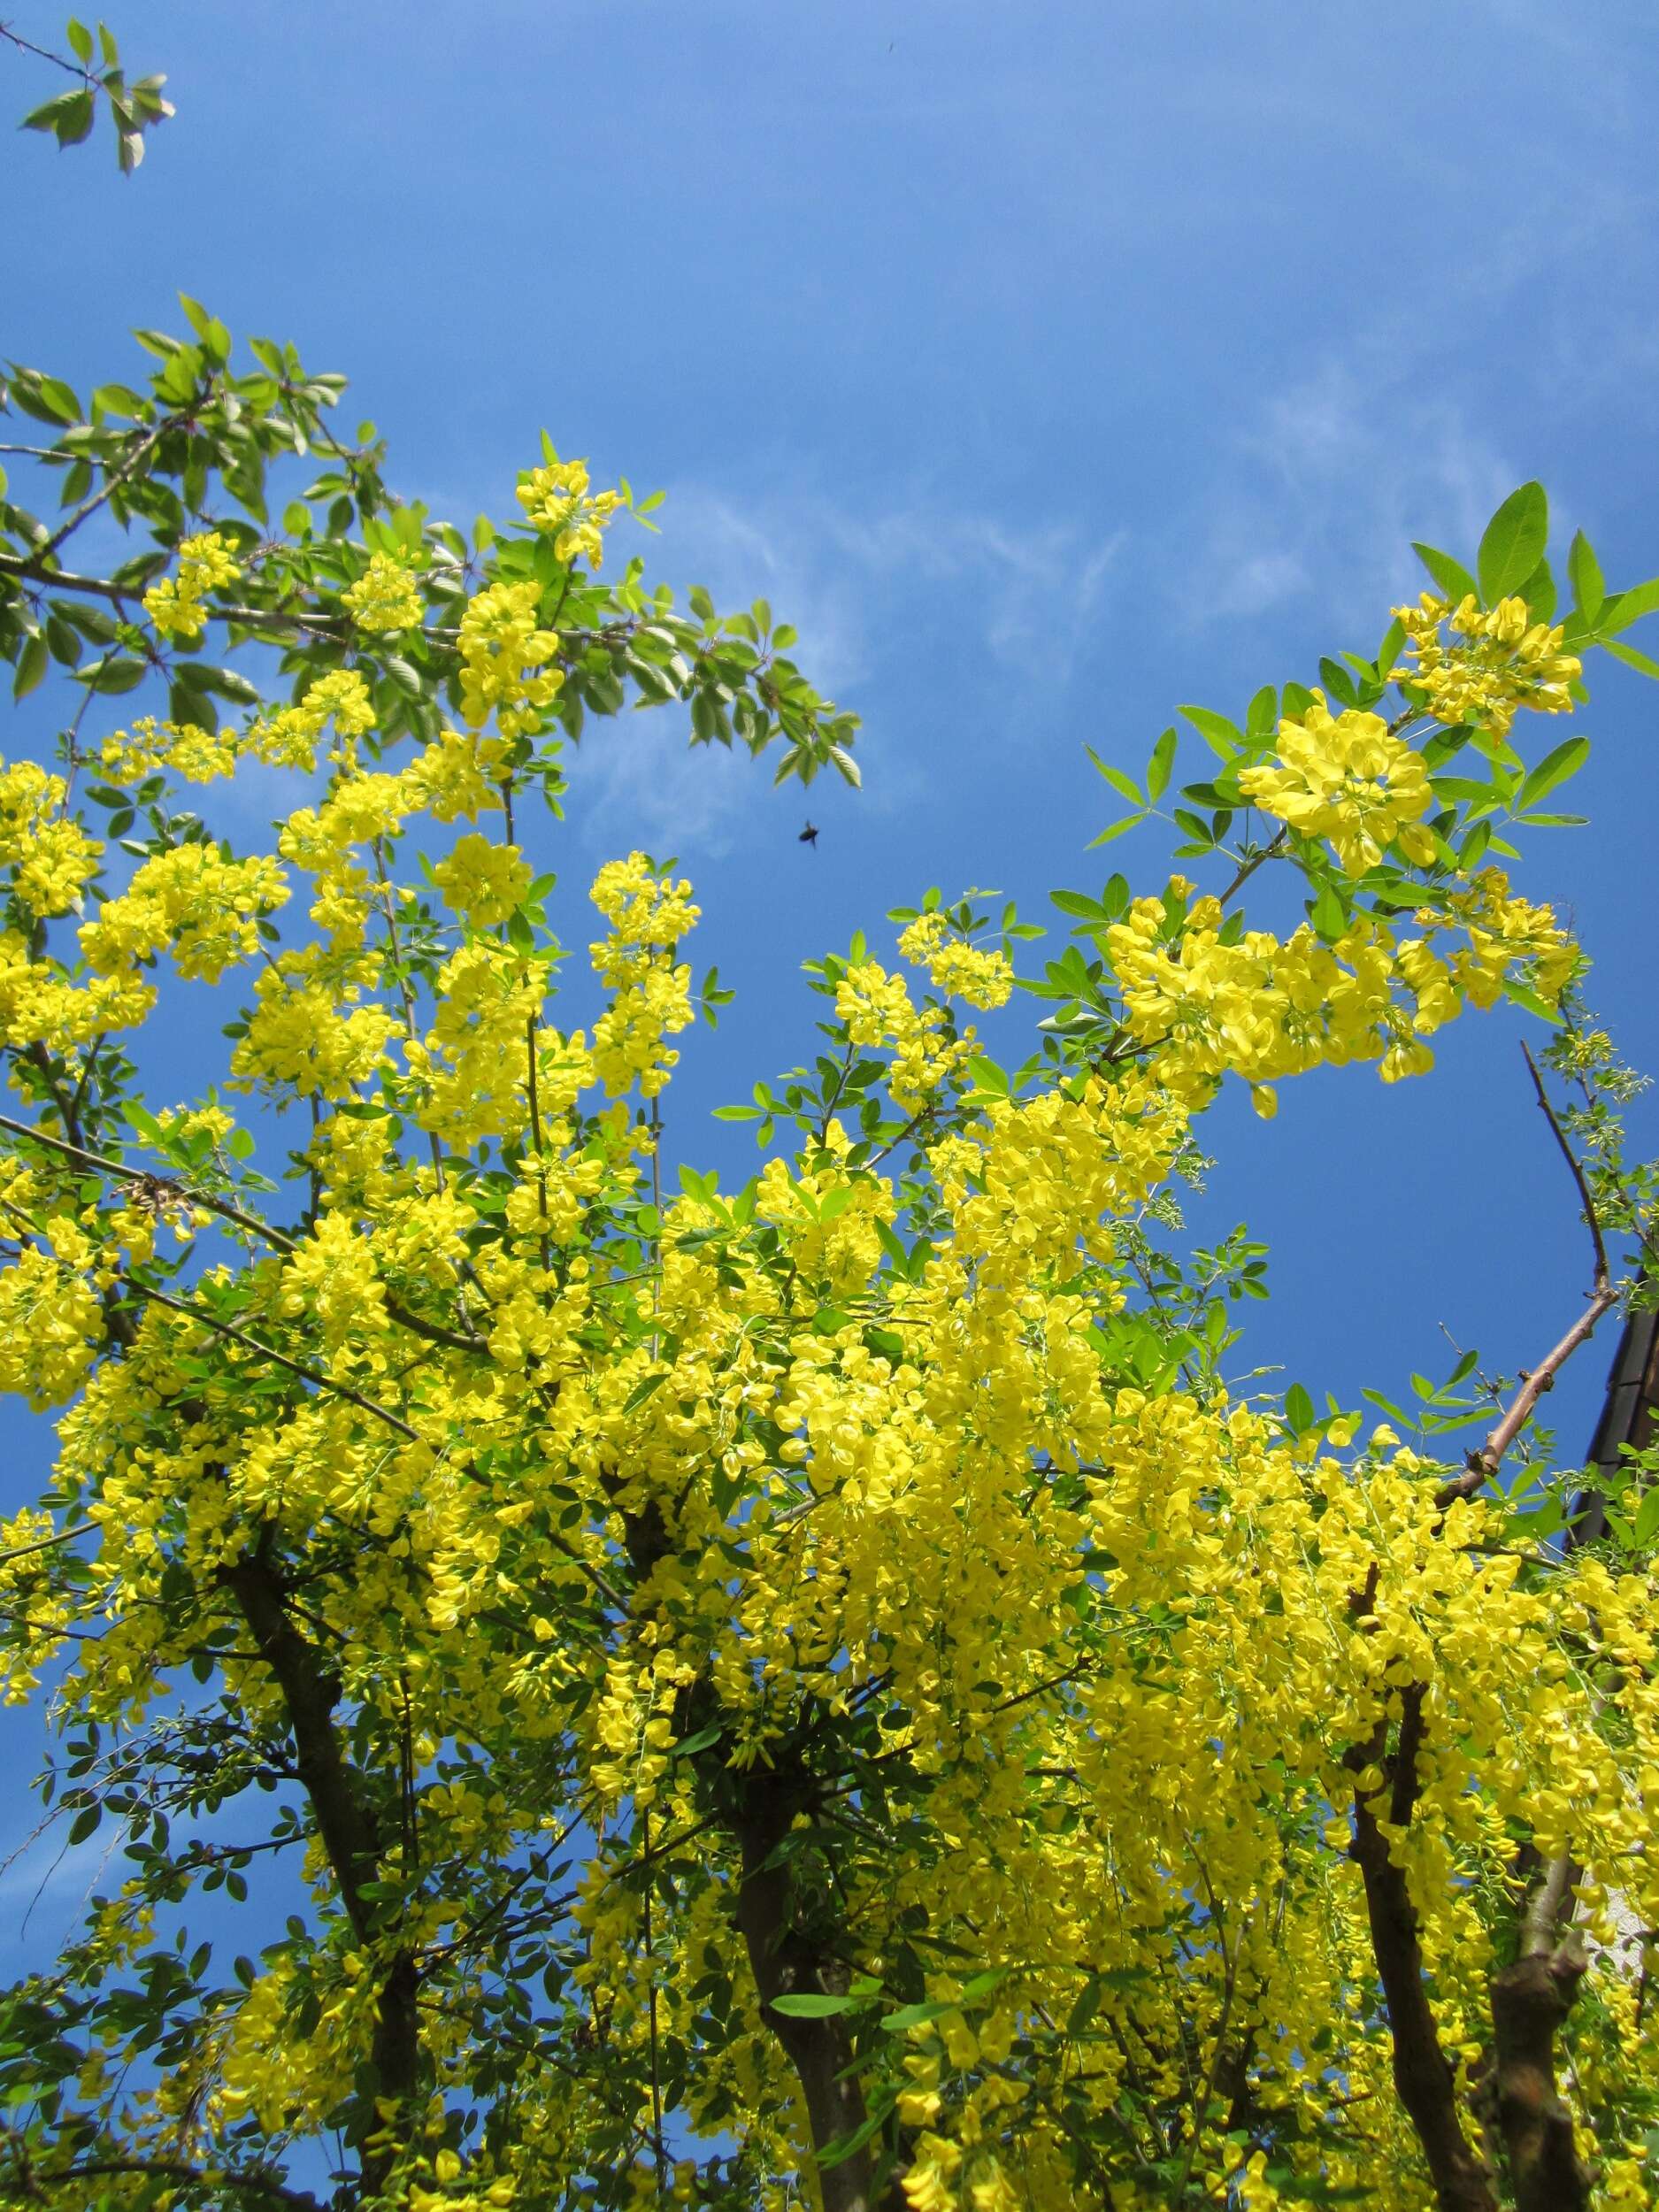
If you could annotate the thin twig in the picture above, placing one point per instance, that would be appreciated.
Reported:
(45, 1543)
(296, 1367)
(112, 482)
(434, 1332)
(45, 53)
(1483, 1464)
(1602, 1273)
(1247, 869)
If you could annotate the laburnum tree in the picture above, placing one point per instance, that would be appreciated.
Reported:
(814, 1692)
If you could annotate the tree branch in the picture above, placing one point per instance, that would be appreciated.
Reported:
(1602, 1276)
(266, 1351)
(1424, 2076)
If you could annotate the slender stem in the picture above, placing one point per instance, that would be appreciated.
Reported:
(1483, 1464)
(1603, 1275)
(45, 53)
(404, 990)
(266, 1351)
(220, 1206)
(657, 2077)
(1247, 869)
(173, 2170)
(112, 481)
(45, 1543)
(433, 1331)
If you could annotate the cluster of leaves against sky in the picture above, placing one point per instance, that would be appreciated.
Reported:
(821, 1693)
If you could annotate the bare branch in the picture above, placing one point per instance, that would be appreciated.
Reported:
(1602, 1274)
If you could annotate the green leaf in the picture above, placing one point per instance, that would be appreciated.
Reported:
(910, 2016)
(1087, 2005)
(1522, 995)
(836, 2154)
(79, 39)
(1585, 571)
(1328, 914)
(813, 2005)
(1125, 786)
(1552, 770)
(1222, 737)
(1298, 1408)
(113, 673)
(1625, 607)
(1647, 1526)
(1160, 764)
(1452, 577)
(1513, 542)
(1538, 591)
(67, 115)
(32, 665)
(1641, 662)
(1115, 829)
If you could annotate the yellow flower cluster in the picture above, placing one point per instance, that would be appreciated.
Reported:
(456, 777)
(1264, 1009)
(878, 1011)
(289, 738)
(51, 1322)
(385, 597)
(299, 1035)
(199, 756)
(481, 881)
(503, 660)
(175, 605)
(650, 990)
(37, 1000)
(1344, 777)
(557, 503)
(472, 1067)
(1506, 661)
(26, 1592)
(193, 902)
(958, 969)
(50, 856)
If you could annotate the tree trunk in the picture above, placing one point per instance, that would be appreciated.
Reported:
(1530, 2000)
(1424, 2076)
(785, 1959)
(346, 1824)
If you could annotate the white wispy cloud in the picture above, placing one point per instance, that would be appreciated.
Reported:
(1323, 488)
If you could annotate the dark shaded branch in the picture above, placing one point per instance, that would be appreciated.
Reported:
(345, 1822)
(1424, 2076)
(45, 1543)
(1530, 1999)
(787, 1958)
(434, 1332)
(115, 477)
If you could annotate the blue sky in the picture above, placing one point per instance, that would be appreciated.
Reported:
(1046, 366)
